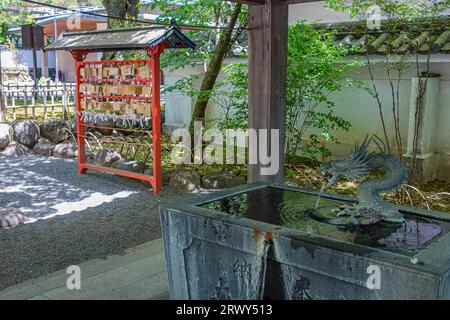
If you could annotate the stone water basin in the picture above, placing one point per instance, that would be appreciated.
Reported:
(259, 242)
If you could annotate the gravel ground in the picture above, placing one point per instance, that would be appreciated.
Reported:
(71, 219)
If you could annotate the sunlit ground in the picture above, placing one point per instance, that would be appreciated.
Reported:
(42, 189)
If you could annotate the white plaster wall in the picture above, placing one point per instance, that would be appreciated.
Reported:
(443, 124)
(353, 104)
(25, 57)
(361, 109)
(13, 58)
(315, 11)
(66, 64)
(358, 107)
(178, 106)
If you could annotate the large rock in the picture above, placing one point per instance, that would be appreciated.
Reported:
(14, 150)
(165, 175)
(10, 217)
(54, 130)
(107, 157)
(129, 165)
(66, 151)
(44, 147)
(6, 133)
(186, 180)
(26, 132)
(221, 180)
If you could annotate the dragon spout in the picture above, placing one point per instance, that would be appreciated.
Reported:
(370, 206)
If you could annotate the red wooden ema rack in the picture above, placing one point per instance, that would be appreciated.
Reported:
(154, 80)
(154, 40)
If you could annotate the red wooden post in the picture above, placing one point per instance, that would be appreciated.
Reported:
(79, 56)
(156, 116)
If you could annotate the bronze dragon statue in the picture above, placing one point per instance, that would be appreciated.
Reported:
(370, 208)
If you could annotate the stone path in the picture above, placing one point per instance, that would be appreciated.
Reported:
(137, 274)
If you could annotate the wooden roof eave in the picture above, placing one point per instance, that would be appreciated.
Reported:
(93, 41)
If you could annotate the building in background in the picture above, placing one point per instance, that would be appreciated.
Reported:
(57, 66)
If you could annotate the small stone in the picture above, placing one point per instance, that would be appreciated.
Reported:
(165, 175)
(26, 132)
(14, 150)
(44, 147)
(54, 130)
(66, 151)
(6, 133)
(129, 165)
(117, 133)
(106, 157)
(221, 180)
(186, 180)
(90, 156)
(10, 217)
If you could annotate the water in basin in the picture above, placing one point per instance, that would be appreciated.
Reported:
(290, 209)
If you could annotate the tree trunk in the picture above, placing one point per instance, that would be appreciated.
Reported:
(121, 9)
(223, 45)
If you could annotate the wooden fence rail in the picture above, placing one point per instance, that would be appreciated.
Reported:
(47, 99)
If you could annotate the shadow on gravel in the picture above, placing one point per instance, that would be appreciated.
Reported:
(47, 187)
(71, 219)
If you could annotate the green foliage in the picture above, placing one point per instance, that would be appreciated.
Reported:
(6, 3)
(127, 9)
(10, 19)
(396, 9)
(204, 13)
(315, 71)
(231, 94)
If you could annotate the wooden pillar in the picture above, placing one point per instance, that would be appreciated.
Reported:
(268, 25)
(44, 64)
